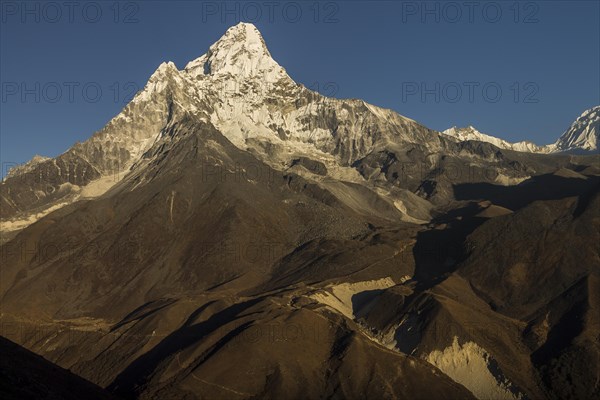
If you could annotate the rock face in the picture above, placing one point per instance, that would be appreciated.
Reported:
(583, 134)
(233, 234)
(28, 376)
(245, 94)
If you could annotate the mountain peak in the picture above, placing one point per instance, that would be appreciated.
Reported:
(583, 134)
(243, 36)
(240, 52)
(245, 28)
(471, 133)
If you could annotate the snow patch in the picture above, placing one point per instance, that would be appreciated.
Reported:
(509, 180)
(98, 187)
(471, 366)
(340, 297)
(470, 133)
(18, 224)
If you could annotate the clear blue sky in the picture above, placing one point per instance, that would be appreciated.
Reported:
(544, 57)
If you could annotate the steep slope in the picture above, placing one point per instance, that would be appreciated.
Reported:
(24, 375)
(158, 266)
(90, 168)
(475, 309)
(583, 133)
(561, 255)
(239, 88)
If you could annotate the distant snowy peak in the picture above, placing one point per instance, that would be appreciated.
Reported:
(583, 133)
(470, 133)
(582, 136)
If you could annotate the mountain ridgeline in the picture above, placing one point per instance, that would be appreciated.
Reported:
(581, 137)
(233, 234)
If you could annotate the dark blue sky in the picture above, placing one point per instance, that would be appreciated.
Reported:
(439, 63)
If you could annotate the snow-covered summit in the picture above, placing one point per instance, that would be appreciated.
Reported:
(583, 133)
(470, 133)
(250, 98)
(240, 53)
